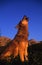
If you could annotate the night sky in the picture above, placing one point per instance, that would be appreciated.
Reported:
(12, 11)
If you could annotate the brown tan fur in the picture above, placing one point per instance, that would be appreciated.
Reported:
(19, 45)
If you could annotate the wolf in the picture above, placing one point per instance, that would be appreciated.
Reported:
(19, 44)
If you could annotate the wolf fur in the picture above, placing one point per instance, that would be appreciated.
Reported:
(19, 45)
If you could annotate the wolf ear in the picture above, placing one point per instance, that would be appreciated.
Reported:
(17, 26)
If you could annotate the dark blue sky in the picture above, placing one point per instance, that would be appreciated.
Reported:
(12, 11)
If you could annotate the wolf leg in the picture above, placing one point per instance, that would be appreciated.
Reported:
(26, 52)
(6, 54)
(16, 52)
(21, 54)
(26, 55)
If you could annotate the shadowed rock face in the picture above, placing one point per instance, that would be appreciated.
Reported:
(4, 40)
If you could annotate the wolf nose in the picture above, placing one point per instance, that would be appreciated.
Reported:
(25, 18)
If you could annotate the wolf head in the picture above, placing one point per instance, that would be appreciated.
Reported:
(23, 22)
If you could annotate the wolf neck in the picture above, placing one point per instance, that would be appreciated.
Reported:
(23, 31)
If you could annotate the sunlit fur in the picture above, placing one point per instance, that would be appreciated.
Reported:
(19, 45)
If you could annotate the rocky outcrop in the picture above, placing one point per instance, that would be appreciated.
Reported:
(33, 41)
(4, 40)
